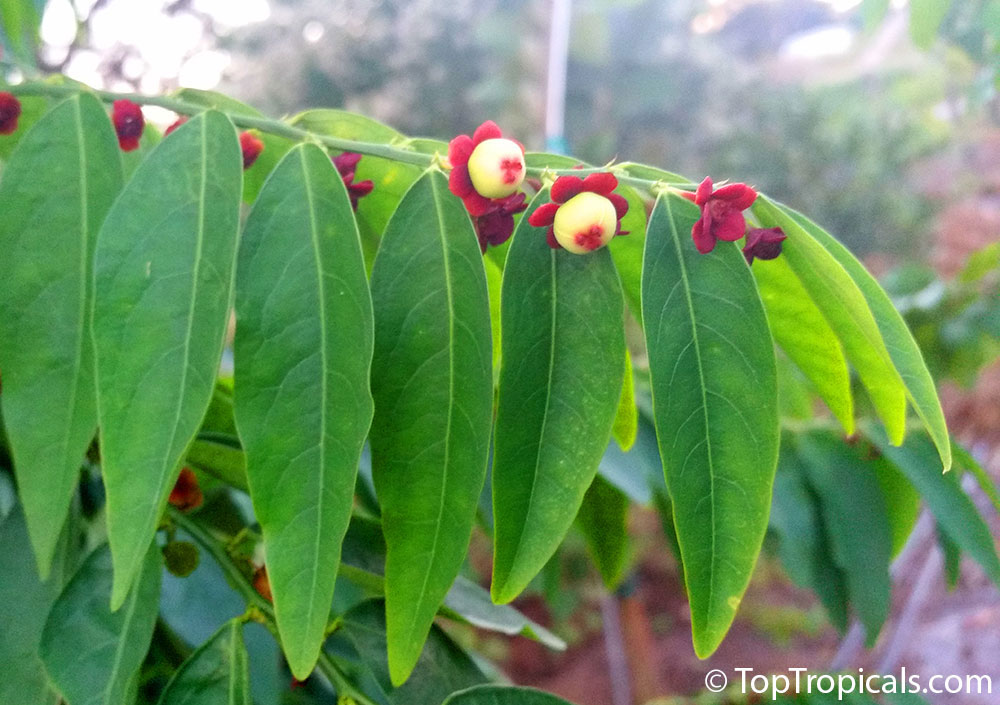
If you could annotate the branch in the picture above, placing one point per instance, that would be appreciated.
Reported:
(283, 129)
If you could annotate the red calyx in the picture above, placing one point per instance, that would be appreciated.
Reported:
(10, 111)
(251, 146)
(129, 123)
(186, 494)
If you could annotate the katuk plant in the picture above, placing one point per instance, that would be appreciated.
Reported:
(367, 311)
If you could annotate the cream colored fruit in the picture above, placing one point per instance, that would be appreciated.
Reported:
(585, 223)
(496, 167)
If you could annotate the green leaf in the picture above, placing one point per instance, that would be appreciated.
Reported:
(902, 501)
(216, 672)
(799, 327)
(926, 17)
(503, 695)
(275, 147)
(626, 425)
(967, 462)
(391, 179)
(715, 403)
(854, 514)
(560, 383)
(363, 559)
(19, 23)
(93, 654)
(220, 456)
(432, 380)
(28, 600)
(56, 190)
(359, 648)
(804, 543)
(952, 557)
(302, 359)
(164, 272)
(954, 511)
(470, 603)
(846, 310)
(626, 250)
(602, 519)
(903, 349)
(641, 171)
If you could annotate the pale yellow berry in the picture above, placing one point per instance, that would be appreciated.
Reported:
(496, 167)
(585, 223)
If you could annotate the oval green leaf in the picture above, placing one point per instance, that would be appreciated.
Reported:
(302, 354)
(899, 341)
(799, 327)
(602, 520)
(715, 404)
(561, 370)
(217, 672)
(846, 310)
(56, 190)
(164, 273)
(432, 380)
(93, 654)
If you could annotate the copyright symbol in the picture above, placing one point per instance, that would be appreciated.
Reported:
(716, 681)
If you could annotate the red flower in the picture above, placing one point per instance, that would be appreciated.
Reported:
(128, 120)
(177, 123)
(347, 164)
(186, 494)
(485, 168)
(584, 214)
(496, 227)
(721, 213)
(252, 147)
(763, 243)
(261, 584)
(10, 111)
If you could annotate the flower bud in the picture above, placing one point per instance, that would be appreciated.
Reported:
(585, 223)
(496, 167)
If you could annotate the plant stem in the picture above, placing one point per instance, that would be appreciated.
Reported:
(283, 129)
(235, 577)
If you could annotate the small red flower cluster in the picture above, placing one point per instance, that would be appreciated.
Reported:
(129, 123)
(487, 171)
(347, 164)
(722, 219)
(10, 111)
(584, 213)
(186, 494)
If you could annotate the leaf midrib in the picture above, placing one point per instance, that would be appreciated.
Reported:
(704, 398)
(451, 398)
(321, 296)
(553, 278)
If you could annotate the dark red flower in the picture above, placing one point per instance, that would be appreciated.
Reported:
(186, 494)
(252, 147)
(128, 120)
(584, 213)
(721, 213)
(485, 168)
(10, 111)
(175, 124)
(347, 164)
(763, 243)
(496, 227)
